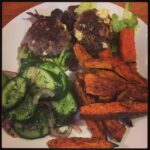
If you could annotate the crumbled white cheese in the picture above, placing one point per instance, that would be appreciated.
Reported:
(78, 35)
(65, 27)
(44, 53)
(104, 45)
(102, 13)
(107, 20)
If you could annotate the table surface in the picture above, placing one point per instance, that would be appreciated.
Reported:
(12, 9)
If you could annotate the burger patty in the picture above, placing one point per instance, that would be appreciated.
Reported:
(47, 36)
(91, 31)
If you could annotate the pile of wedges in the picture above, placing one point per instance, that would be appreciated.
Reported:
(110, 92)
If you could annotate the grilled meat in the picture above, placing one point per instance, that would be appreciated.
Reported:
(92, 31)
(47, 36)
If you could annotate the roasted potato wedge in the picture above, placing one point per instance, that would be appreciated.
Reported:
(78, 142)
(113, 110)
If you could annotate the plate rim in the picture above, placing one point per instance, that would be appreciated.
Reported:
(19, 15)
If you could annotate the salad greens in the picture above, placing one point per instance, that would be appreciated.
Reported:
(85, 6)
(61, 60)
(26, 55)
(41, 81)
(127, 14)
(129, 20)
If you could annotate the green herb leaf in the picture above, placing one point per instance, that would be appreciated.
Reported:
(133, 21)
(129, 20)
(127, 14)
(117, 25)
(24, 53)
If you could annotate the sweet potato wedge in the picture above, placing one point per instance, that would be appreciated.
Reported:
(133, 66)
(81, 54)
(125, 71)
(101, 125)
(113, 110)
(97, 63)
(83, 98)
(96, 85)
(116, 65)
(108, 74)
(98, 128)
(141, 80)
(105, 54)
(78, 142)
(115, 61)
(115, 129)
(127, 45)
(136, 93)
(95, 129)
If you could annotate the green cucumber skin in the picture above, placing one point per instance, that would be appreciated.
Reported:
(60, 75)
(61, 100)
(24, 111)
(39, 77)
(30, 134)
(13, 92)
(38, 129)
(64, 108)
(61, 79)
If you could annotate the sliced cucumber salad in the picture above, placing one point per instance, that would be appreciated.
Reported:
(40, 89)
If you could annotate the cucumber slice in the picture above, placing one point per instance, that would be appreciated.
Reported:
(51, 67)
(28, 107)
(60, 79)
(40, 77)
(64, 108)
(59, 74)
(24, 111)
(13, 92)
(35, 128)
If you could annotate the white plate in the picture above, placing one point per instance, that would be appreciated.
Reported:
(12, 35)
